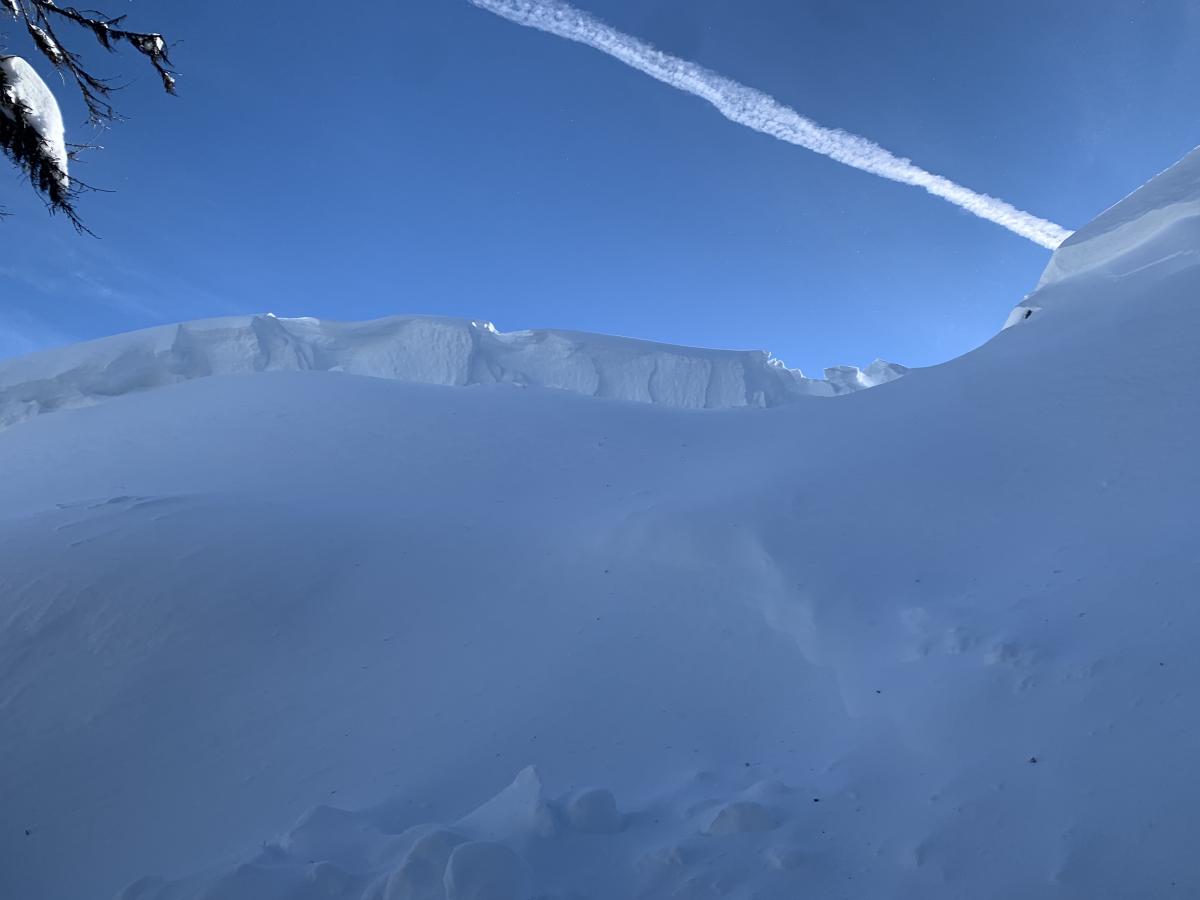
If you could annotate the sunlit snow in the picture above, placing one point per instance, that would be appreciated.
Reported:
(300, 634)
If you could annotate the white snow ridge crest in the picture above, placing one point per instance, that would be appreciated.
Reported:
(416, 349)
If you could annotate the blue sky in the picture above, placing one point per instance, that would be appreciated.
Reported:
(429, 157)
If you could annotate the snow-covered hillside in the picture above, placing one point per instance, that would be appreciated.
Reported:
(308, 635)
(418, 349)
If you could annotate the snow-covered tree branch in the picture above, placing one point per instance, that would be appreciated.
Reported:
(32, 134)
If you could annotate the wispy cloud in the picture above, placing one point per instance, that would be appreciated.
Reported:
(22, 333)
(763, 113)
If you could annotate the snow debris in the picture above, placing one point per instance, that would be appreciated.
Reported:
(481, 870)
(742, 816)
(595, 812)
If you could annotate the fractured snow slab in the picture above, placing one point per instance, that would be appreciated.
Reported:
(417, 349)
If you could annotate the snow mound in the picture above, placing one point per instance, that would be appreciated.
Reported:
(418, 349)
(1147, 238)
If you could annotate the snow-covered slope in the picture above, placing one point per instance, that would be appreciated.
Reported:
(1135, 245)
(419, 349)
(302, 635)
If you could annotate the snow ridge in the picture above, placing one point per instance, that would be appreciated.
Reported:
(1151, 235)
(418, 349)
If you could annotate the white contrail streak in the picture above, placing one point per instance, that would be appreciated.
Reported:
(759, 111)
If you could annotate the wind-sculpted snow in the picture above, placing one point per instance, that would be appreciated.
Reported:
(933, 641)
(702, 833)
(418, 349)
(1150, 237)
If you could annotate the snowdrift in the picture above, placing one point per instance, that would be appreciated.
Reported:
(418, 349)
(303, 635)
(1131, 247)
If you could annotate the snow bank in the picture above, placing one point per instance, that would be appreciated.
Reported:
(419, 349)
(27, 87)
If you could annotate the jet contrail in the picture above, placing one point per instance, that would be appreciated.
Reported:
(759, 111)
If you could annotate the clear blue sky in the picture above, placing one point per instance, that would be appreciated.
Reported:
(428, 157)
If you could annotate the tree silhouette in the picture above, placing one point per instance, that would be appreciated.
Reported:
(24, 135)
